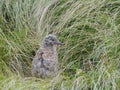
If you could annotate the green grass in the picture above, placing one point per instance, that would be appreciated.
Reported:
(89, 60)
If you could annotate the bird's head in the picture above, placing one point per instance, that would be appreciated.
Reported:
(51, 40)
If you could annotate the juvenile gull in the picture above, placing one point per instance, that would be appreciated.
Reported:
(45, 62)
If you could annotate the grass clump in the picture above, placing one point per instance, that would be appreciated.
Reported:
(89, 29)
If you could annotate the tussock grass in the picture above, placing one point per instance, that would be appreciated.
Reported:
(90, 30)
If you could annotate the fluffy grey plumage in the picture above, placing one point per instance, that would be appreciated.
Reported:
(46, 59)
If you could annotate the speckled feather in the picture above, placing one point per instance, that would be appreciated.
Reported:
(46, 59)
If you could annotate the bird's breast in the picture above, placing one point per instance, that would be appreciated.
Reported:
(49, 54)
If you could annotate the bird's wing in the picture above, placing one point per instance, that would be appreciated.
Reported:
(37, 62)
(39, 53)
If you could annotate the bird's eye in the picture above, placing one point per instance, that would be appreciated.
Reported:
(52, 39)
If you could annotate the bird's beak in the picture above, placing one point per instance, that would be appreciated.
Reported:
(58, 43)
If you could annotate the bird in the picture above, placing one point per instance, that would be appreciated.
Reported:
(45, 62)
